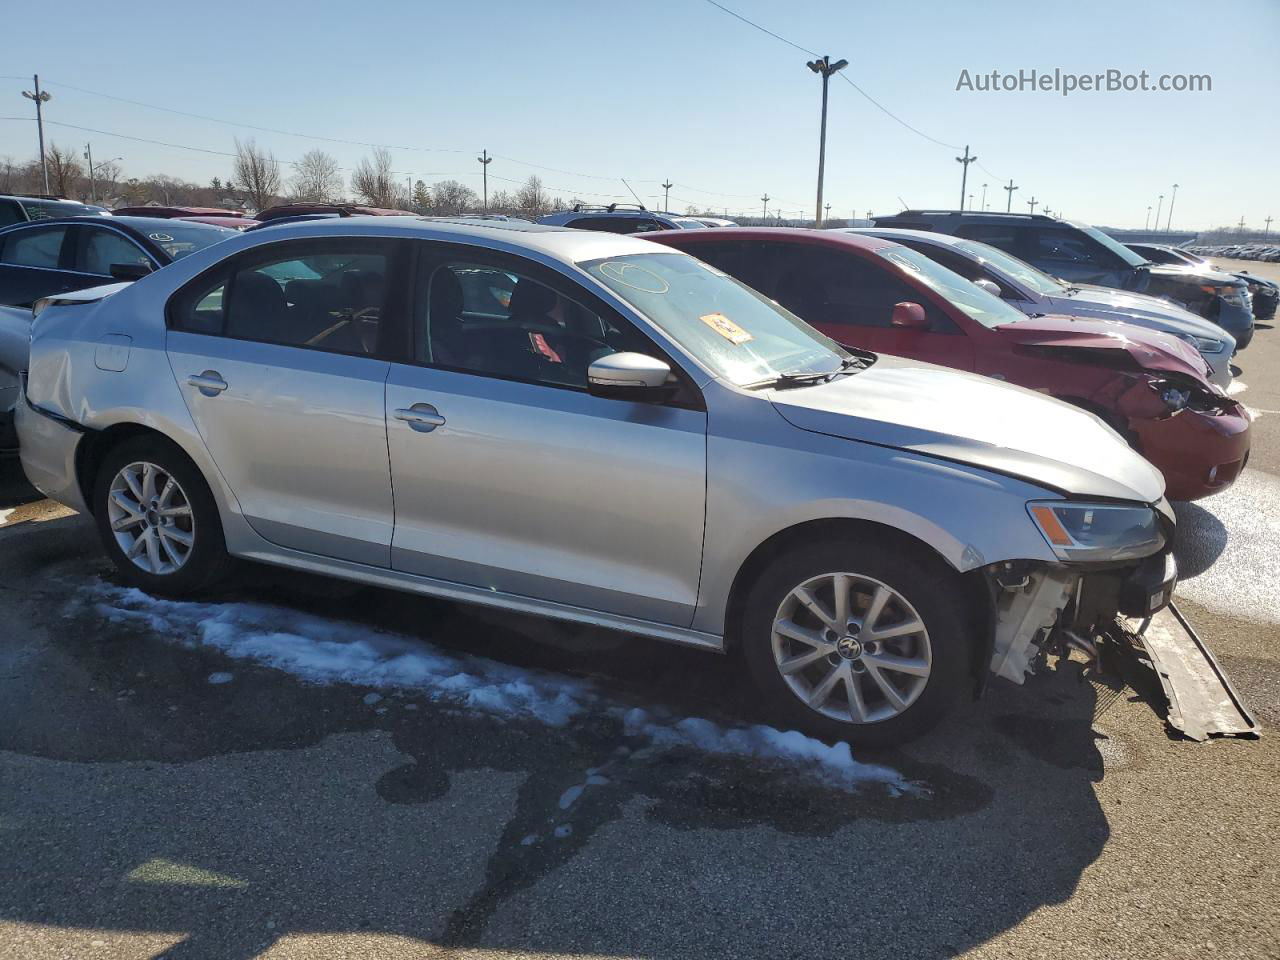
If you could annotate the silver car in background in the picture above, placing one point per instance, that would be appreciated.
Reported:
(598, 429)
(1035, 292)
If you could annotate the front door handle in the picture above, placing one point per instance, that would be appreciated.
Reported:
(210, 383)
(422, 417)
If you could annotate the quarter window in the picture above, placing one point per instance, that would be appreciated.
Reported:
(34, 248)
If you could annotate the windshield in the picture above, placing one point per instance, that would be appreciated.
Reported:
(1119, 249)
(1017, 270)
(178, 239)
(986, 308)
(737, 333)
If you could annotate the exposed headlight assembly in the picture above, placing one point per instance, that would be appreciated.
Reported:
(1097, 532)
(1204, 344)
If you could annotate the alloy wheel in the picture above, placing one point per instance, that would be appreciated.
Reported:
(851, 648)
(151, 518)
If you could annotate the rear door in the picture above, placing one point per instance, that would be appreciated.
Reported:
(510, 476)
(34, 263)
(280, 356)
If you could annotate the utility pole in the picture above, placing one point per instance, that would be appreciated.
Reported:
(1159, 207)
(1032, 204)
(1008, 207)
(666, 195)
(827, 210)
(764, 214)
(1241, 228)
(984, 196)
(964, 177)
(971, 201)
(1169, 223)
(40, 97)
(484, 159)
(824, 68)
(1268, 229)
(93, 183)
(1146, 224)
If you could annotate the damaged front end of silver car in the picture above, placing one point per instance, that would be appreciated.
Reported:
(1123, 622)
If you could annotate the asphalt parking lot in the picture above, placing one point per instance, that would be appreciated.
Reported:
(164, 792)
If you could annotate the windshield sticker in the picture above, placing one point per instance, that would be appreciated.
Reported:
(160, 237)
(727, 328)
(636, 277)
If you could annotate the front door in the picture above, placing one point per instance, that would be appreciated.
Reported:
(511, 477)
(278, 358)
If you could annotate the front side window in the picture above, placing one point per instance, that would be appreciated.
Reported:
(1064, 246)
(735, 332)
(104, 249)
(34, 248)
(328, 296)
(497, 321)
(986, 308)
(1110, 243)
(1021, 271)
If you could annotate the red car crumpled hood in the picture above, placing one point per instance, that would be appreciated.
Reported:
(1150, 349)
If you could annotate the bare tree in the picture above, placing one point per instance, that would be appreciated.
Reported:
(65, 171)
(107, 174)
(502, 202)
(9, 175)
(316, 178)
(373, 182)
(450, 198)
(258, 173)
(531, 198)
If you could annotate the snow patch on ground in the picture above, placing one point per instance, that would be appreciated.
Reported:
(5, 515)
(1236, 387)
(324, 651)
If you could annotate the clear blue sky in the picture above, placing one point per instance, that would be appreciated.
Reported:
(679, 89)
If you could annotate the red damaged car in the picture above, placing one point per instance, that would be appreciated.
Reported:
(864, 292)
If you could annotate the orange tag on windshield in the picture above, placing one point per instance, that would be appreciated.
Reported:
(727, 328)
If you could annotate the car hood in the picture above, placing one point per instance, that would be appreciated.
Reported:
(1107, 303)
(1193, 276)
(962, 417)
(1148, 349)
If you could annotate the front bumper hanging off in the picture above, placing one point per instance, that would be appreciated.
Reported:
(1200, 699)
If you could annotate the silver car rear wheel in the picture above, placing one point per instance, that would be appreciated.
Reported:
(151, 518)
(851, 648)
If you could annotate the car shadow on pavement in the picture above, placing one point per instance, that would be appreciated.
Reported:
(136, 795)
(1201, 539)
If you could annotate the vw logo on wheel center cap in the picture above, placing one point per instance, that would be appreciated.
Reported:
(849, 648)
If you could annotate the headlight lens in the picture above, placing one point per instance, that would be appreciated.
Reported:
(1097, 531)
(1204, 344)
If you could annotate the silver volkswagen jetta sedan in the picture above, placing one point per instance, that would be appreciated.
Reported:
(594, 428)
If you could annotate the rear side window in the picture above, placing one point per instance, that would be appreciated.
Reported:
(10, 212)
(34, 248)
(321, 296)
(1006, 237)
(616, 224)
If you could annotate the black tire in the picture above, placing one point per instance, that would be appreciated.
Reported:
(207, 563)
(925, 583)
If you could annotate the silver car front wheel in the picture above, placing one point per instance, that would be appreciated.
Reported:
(151, 518)
(851, 648)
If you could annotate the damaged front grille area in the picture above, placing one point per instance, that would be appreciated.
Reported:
(1029, 604)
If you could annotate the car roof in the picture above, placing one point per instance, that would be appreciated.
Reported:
(556, 242)
(890, 233)
(831, 238)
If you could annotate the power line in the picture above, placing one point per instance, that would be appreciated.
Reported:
(752, 23)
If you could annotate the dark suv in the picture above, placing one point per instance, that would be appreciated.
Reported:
(619, 218)
(1081, 254)
(20, 209)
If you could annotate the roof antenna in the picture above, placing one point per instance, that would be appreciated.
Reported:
(905, 206)
(640, 204)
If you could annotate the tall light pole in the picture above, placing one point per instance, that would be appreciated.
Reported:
(1159, 207)
(666, 195)
(964, 177)
(1008, 207)
(984, 196)
(93, 178)
(824, 68)
(1169, 223)
(1146, 224)
(764, 214)
(40, 97)
(971, 201)
(1032, 204)
(484, 160)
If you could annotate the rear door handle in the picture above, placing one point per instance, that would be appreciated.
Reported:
(210, 383)
(422, 417)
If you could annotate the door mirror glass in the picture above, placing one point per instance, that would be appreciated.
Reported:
(630, 376)
(909, 316)
(990, 286)
(130, 271)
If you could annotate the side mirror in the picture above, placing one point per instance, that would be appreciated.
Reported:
(130, 271)
(990, 286)
(629, 376)
(909, 316)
